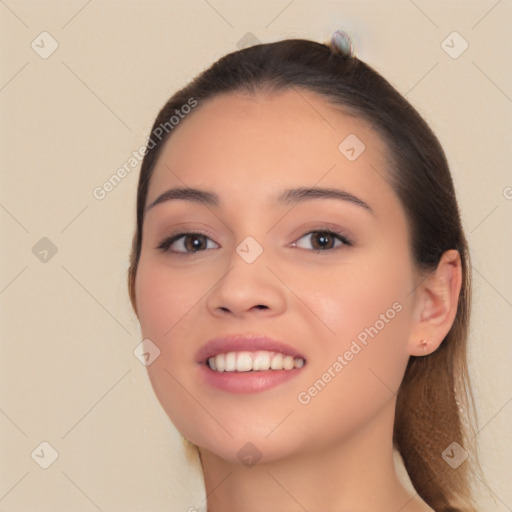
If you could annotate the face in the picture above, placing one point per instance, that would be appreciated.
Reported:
(324, 278)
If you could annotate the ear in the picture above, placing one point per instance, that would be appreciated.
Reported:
(436, 303)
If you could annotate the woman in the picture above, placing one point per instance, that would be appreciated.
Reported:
(300, 269)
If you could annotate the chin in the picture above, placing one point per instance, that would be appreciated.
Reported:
(247, 450)
(238, 439)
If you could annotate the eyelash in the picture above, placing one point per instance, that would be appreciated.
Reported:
(167, 242)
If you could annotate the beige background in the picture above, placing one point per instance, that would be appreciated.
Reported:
(69, 121)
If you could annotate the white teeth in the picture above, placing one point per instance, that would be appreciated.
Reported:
(219, 362)
(244, 362)
(231, 361)
(288, 362)
(299, 363)
(260, 360)
(277, 362)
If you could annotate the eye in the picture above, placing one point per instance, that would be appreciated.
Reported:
(186, 243)
(323, 240)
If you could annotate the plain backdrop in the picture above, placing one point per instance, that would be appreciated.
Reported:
(81, 83)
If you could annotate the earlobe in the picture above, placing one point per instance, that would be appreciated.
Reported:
(422, 347)
(437, 301)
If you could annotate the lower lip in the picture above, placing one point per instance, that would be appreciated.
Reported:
(247, 382)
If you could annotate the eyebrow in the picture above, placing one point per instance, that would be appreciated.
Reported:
(297, 195)
(289, 196)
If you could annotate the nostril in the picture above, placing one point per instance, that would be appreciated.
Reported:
(259, 306)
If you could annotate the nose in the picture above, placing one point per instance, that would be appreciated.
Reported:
(247, 289)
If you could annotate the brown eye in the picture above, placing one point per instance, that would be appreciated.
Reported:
(324, 240)
(186, 243)
(195, 242)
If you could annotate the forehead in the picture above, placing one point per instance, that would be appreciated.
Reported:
(241, 145)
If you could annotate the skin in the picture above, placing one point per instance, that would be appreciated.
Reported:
(335, 452)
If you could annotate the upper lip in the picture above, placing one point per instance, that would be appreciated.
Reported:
(243, 342)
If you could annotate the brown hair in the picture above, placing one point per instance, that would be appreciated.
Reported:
(434, 399)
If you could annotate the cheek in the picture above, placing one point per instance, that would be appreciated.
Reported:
(362, 364)
(354, 297)
(165, 302)
(164, 297)
(368, 311)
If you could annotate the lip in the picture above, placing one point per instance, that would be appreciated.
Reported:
(245, 382)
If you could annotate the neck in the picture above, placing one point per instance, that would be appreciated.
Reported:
(356, 474)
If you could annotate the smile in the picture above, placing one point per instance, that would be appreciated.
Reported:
(261, 360)
(248, 363)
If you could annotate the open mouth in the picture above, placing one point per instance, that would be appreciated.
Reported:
(246, 361)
